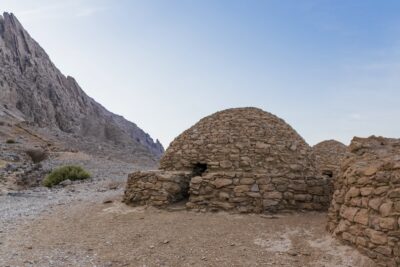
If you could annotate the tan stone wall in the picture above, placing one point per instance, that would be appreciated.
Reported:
(256, 192)
(365, 209)
(231, 191)
(156, 188)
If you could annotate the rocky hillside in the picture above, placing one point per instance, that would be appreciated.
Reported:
(33, 90)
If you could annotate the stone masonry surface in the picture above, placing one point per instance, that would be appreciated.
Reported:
(365, 209)
(243, 160)
(328, 156)
(158, 188)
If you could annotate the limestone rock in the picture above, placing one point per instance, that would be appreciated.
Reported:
(222, 182)
(66, 182)
(33, 90)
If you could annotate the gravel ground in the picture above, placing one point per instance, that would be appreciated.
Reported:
(17, 204)
(113, 234)
(18, 208)
(75, 226)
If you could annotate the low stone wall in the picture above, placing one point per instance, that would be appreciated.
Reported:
(365, 210)
(230, 191)
(249, 192)
(156, 188)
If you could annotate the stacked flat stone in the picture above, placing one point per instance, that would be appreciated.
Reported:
(365, 210)
(253, 160)
(328, 156)
(158, 188)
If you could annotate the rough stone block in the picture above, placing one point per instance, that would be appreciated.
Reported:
(247, 181)
(221, 182)
(388, 223)
(241, 188)
(386, 209)
(273, 195)
(302, 197)
(196, 180)
(376, 237)
(375, 203)
(270, 202)
(362, 217)
(394, 193)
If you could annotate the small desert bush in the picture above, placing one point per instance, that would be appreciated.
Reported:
(37, 155)
(60, 174)
(10, 141)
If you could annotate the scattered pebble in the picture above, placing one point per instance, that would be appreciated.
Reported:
(107, 201)
(292, 253)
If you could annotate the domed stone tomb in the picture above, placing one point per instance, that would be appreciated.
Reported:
(241, 159)
(328, 155)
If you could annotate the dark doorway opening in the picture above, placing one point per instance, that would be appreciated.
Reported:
(328, 173)
(199, 169)
(182, 197)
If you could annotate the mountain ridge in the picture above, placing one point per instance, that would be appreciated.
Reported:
(33, 89)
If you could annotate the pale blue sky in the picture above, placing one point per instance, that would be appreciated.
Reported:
(331, 69)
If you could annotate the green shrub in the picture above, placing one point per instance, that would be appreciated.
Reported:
(10, 141)
(58, 175)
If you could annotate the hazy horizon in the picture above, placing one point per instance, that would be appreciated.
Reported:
(329, 69)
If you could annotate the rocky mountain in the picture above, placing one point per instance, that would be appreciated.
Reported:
(33, 90)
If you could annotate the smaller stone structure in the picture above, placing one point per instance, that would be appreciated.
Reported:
(328, 155)
(365, 209)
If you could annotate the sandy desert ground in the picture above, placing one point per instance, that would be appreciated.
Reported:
(85, 224)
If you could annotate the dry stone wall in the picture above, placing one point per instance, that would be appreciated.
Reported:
(156, 188)
(244, 160)
(328, 155)
(256, 192)
(365, 209)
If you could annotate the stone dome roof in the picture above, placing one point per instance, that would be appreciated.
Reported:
(240, 139)
(328, 155)
(330, 146)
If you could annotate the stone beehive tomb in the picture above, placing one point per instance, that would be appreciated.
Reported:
(328, 156)
(241, 159)
(365, 210)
